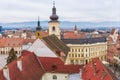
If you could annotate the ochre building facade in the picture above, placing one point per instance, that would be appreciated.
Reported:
(83, 51)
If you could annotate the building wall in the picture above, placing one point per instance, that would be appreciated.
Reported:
(59, 76)
(116, 59)
(56, 30)
(5, 50)
(83, 53)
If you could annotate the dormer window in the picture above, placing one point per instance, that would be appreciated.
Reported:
(54, 77)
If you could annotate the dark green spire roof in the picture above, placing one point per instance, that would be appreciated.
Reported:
(38, 26)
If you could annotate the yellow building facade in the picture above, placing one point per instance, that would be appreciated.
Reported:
(83, 53)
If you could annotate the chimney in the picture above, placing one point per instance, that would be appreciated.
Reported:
(6, 72)
(19, 64)
(80, 72)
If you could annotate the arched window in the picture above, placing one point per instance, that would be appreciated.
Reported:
(54, 77)
(53, 28)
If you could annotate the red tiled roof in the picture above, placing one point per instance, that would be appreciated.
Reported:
(72, 35)
(25, 41)
(2, 42)
(11, 42)
(1, 75)
(24, 53)
(57, 65)
(31, 69)
(95, 70)
(44, 34)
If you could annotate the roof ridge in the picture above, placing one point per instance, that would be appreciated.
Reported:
(40, 64)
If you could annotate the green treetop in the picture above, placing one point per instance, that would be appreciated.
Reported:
(12, 56)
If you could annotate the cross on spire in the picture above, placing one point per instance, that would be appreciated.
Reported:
(53, 3)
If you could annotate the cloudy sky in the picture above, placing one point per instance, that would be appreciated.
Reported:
(68, 10)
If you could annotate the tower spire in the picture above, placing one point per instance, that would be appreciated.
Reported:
(38, 21)
(38, 25)
(38, 30)
(53, 9)
(75, 28)
(53, 3)
(54, 16)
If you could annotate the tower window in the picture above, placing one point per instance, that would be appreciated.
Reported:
(38, 34)
(53, 28)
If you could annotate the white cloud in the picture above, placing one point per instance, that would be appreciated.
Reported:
(72, 10)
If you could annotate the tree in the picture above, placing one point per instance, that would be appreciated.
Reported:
(12, 56)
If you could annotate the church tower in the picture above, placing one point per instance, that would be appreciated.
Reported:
(38, 30)
(54, 24)
(75, 30)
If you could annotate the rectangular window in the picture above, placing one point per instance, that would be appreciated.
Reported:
(75, 50)
(72, 55)
(79, 50)
(69, 55)
(72, 61)
(86, 50)
(82, 50)
(78, 55)
(75, 55)
(76, 61)
(82, 55)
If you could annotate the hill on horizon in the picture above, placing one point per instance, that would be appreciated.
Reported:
(63, 24)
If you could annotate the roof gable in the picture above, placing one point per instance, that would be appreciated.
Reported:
(40, 49)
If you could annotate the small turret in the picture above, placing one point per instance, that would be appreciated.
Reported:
(38, 30)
